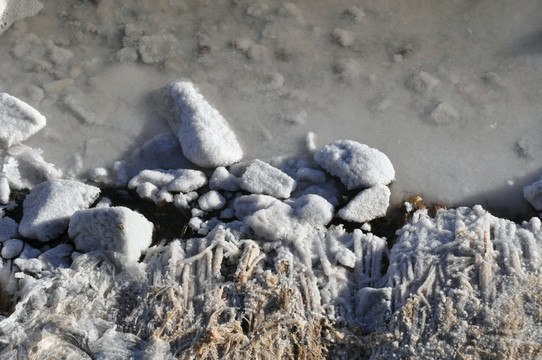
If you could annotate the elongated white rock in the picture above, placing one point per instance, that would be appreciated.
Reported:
(18, 120)
(205, 136)
(357, 165)
(116, 228)
(367, 205)
(47, 209)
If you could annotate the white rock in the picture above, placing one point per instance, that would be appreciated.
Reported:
(367, 205)
(59, 256)
(18, 120)
(311, 175)
(13, 10)
(25, 168)
(222, 179)
(187, 180)
(12, 248)
(8, 228)
(262, 178)
(533, 194)
(180, 180)
(205, 137)
(116, 228)
(274, 223)
(211, 201)
(314, 209)
(357, 165)
(248, 204)
(47, 209)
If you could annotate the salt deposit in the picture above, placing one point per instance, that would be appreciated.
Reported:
(368, 205)
(205, 136)
(262, 178)
(268, 258)
(13, 10)
(18, 120)
(357, 165)
(115, 228)
(48, 208)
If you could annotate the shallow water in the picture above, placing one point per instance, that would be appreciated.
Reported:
(277, 71)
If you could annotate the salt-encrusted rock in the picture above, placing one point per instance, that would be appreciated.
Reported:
(262, 178)
(8, 228)
(205, 136)
(47, 209)
(533, 194)
(211, 201)
(11, 248)
(18, 120)
(222, 179)
(13, 10)
(314, 209)
(369, 204)
(59, 256)
(248, 204)
(187, 180)
(116, 228)
(274, 223)
(343, 37)
(357, 165)
(150, 184)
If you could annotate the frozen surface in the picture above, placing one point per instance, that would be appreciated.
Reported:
(47, 209)
(18, 120)
(205, 136)
(115, 228)
(357, 165)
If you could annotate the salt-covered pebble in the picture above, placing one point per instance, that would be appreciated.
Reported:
(357, 165)
(18, 120)
(59, 256)
(248, 204)
(274, 223)
(11, 248)
(314, 209)
(211, 201)
(533, 194)
(205, 136)
(311, 175)
(222, 179)
(187, 180)
(25, 168)
(8, 228)
(262, 178)
(421, 82)
(367, 205)
(47, 209)
(116, 228)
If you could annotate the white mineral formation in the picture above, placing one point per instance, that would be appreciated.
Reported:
(205, 136)
(116, 228)
(262, 178)
(18, 120)
(369, 204)
(48, 208)
(357, 165)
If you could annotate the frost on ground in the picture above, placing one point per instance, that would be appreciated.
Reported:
(263, 267)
